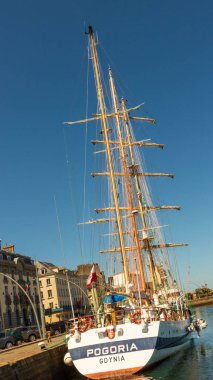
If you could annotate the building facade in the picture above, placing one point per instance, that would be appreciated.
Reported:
(95, 298)
(15, 308)
(53, 281)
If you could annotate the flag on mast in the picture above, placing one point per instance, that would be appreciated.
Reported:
(92, 277)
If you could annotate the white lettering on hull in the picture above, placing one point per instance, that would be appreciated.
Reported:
(111, 350)
(112, 359)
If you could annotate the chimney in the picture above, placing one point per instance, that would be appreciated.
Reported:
(9, 248)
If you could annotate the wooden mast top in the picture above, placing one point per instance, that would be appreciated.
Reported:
(139, 193)
(125, 168)
(108, 151)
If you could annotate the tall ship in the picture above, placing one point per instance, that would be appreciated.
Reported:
(141, 317)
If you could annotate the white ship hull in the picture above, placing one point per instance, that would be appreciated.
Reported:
(100, 357)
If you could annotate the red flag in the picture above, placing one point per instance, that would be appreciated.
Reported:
(92, 277)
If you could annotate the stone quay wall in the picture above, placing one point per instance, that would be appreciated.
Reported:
(202, 301)
(45, 365)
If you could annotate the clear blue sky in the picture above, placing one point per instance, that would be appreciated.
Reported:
(161, 53)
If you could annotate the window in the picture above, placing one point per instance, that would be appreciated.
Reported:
(6, 280)
(48, 281)
(51, 305)
(49, 293)
(40, 283)
(42, 296)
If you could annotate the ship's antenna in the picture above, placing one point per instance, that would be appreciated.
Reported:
(59, 232)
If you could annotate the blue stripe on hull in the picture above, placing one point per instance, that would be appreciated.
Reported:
(124, 346)
(171, 342)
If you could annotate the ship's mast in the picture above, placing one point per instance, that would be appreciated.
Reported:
(131, 176)
(124, 165)
(134, 168)
(108, 151)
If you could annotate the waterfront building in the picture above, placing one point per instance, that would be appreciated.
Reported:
(15, 308)
(53, 281)
(94, 298)
(84, 270)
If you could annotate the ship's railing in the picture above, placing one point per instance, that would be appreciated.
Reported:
(120, 315)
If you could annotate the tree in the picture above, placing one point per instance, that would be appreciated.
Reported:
(203, 291)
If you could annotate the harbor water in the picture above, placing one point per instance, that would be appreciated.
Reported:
(193, 363)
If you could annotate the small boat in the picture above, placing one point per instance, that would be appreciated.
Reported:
(144, 317)
(202, 323)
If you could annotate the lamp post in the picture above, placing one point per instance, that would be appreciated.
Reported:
(70, 295)
(73, 283)
(28, 297)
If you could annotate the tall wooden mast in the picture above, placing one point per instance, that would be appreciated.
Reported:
(124, 165)
(130, 174)
(134, 167)
(108, 151)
